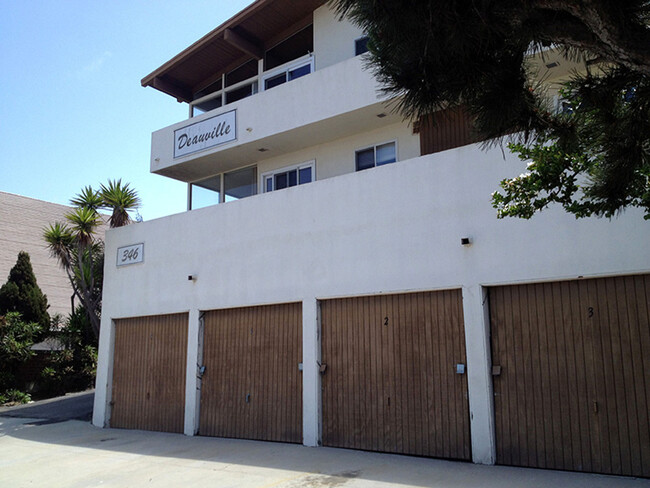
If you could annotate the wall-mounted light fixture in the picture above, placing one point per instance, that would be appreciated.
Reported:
(465, 241)
(191, 277)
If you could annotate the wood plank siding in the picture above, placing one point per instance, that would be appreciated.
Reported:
(252, 386)
(446, 129)
(149, 373)
(391, 383)
(574, 388)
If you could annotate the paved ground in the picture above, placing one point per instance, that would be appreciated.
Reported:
(75, 406)
(52, 452)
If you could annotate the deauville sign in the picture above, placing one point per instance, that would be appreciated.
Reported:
(205, 134)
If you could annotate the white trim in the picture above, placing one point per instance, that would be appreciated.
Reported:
(306, 164)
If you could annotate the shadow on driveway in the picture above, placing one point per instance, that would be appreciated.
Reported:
(32, 452)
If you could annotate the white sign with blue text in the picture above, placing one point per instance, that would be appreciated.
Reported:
(205, 134)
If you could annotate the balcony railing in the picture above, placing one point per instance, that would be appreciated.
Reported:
(264, 80)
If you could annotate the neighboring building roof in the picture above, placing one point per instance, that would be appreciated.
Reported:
(22, 221)
(49, 344)
(258, 27)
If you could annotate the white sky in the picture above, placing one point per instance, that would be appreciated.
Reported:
(72, 111)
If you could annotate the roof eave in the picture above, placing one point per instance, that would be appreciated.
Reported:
(214, 34)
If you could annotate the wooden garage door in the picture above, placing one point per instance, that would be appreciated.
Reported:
(574, 387)
(391, 383)
(252, 386)
(149, 373)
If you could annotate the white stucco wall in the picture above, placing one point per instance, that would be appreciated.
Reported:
(337, 157)
(333, 38)
(326, 105)
(390, 229)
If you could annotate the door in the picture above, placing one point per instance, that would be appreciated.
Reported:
(394, 378)
(149, 365)
(252, 385)
(572, 373)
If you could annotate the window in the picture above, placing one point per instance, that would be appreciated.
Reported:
(299, 44)
(361, 46)
(241, 183)
(241, 92)
(243, 73)
(287, 177)
(205, 192)
(224, 187)
(288, 73)
(376, 156)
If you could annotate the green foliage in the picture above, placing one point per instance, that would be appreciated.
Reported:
(74, 368)
(595, 160)
(78, 248)
(120, 199)
(431, 55)
(22, 294)
(16, 339)
(14, 397)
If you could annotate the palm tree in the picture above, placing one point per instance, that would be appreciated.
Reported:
(78, 248)
(120, 199)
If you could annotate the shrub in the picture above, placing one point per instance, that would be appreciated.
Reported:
(14, 397)
(21, 294)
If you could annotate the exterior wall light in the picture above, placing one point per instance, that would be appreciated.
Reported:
(191, 277)
(465, 241)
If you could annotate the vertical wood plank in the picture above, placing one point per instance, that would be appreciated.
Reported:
(258, 355)
(415, 403)
(149, 373)
(581, 384)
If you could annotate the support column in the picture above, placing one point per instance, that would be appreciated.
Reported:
(192, 381)
(479, 364)
(104, 378)
(311, 381)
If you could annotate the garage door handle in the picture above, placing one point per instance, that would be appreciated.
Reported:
(248, 398)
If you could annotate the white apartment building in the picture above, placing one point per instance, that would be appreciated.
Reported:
(341, 279)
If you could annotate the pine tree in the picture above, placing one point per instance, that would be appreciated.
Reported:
(22, 294)
(432, 55)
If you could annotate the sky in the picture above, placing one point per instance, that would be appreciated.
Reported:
(72, 110)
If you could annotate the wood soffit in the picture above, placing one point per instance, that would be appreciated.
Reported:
(247, 35)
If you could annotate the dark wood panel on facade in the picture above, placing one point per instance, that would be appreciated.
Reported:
(391, 383)
(446, 129)
(574, 388)
(149, 373)
(252, 386)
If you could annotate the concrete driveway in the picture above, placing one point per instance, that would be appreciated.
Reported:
(74, 406)
(71, 453)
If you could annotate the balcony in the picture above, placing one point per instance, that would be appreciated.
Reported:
(316, 108)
